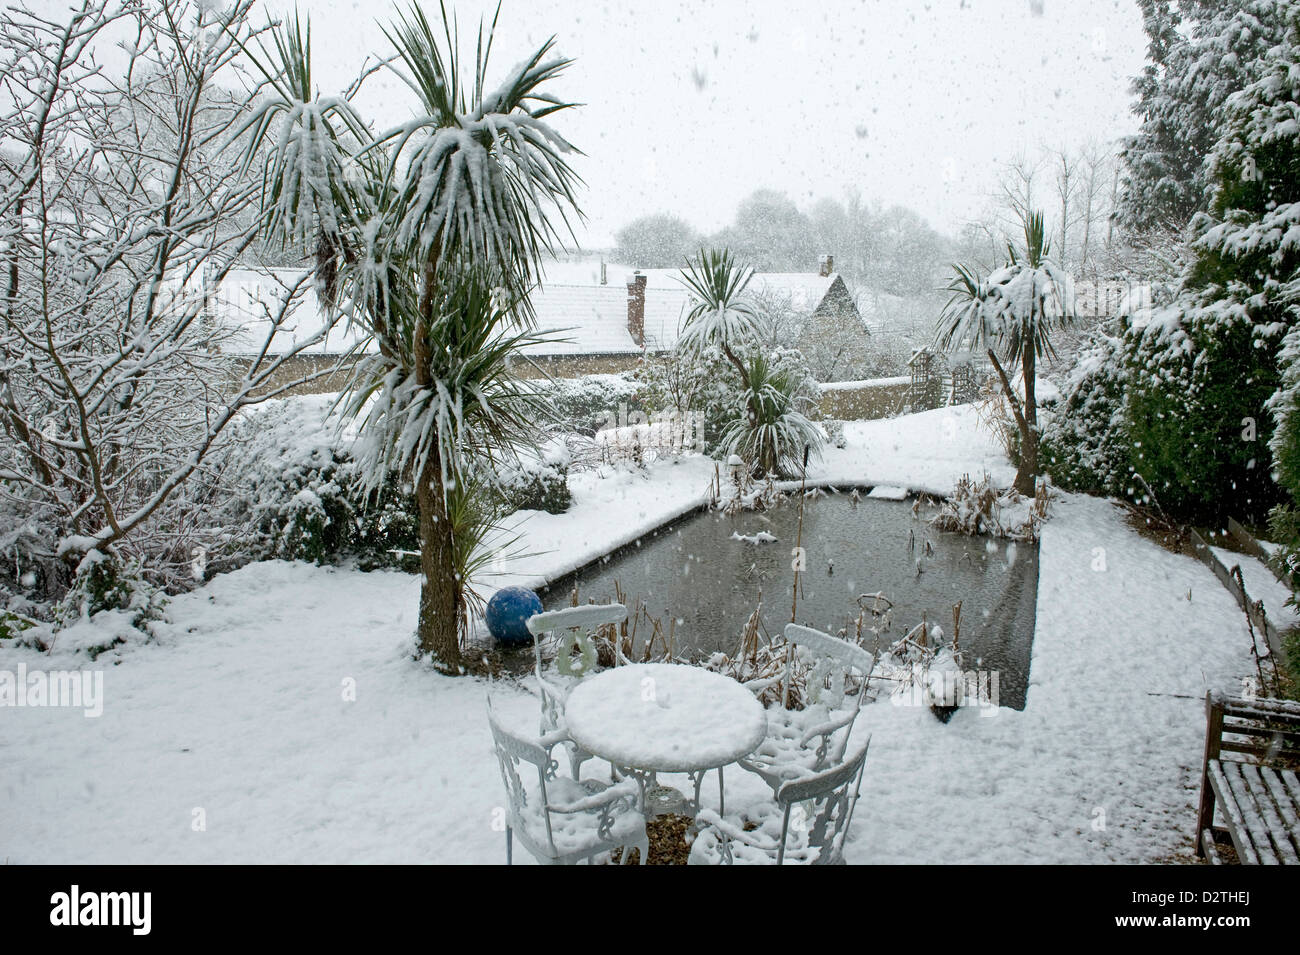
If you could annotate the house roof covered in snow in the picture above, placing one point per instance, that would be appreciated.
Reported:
(579, 318)
(594, 319)
(248, 301)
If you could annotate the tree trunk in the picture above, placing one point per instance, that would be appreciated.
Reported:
(1026, 420)
(440, 591)
(439, 626)
(1028, 470)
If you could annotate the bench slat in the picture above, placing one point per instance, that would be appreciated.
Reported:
(1256, 828)
(1292, 783)
(1232, 813)
(1262, 707)
(1273, 829)
(1287, 804)
(1279, 741)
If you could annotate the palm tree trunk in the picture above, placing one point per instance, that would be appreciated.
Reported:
(1028, 471)
(439, 593)
(1028, 431)
(439, 630)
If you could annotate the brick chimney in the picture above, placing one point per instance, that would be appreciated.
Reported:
(636, 308)
(826, 265)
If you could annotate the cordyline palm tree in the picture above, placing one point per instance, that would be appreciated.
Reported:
(772, 435)
(427, 238)
(720, 314)
(1015, 311)
(776, 431)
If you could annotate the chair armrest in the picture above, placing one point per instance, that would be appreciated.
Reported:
(625, 789)
(828, 727)
(549, 741)
(735, 833)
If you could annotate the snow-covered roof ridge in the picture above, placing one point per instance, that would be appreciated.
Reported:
(593, 319)
(579, 317)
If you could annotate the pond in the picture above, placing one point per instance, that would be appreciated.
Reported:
(697, 573)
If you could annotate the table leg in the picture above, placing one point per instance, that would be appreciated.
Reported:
(722, 797)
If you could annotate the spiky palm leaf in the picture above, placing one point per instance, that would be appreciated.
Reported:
(309, 155)
(1017, 306)
(482, 168)
(719, 314)
(771, 438)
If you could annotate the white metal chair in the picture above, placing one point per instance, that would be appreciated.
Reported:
(802, 742)
(562, 821)
(555, 688)
(807, 825)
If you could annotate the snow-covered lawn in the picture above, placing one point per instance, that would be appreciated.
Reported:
(239, 717)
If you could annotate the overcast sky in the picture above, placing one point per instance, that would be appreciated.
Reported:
(689, 107)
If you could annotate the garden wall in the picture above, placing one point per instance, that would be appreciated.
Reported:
(864, 400)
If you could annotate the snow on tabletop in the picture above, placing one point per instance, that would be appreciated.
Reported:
(665, 717)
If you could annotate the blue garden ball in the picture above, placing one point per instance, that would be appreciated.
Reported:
(508, 612)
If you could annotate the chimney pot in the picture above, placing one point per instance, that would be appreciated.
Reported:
(826, 265)
(636, 308)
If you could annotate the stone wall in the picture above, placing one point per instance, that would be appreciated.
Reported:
(573, 366)
(864, 403)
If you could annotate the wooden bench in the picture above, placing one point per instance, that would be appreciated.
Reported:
(1252, 751)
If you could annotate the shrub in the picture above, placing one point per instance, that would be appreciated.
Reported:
(294, 491)
(587, 404)
(108, 583)
(1085, 443)
(1199, 381)
(682, 382)
(536, 486)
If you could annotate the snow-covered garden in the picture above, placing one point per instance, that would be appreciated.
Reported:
(242, 621)
(278, 715)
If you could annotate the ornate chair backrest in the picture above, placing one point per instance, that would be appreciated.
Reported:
(847, 656)
(832, 805)
(513, 749)
(587, 617)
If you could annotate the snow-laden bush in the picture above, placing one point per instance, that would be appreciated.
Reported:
(105, 582)
(1085, 444)
(293, 490)
(111, 602)
(535, 483)
(682, 383)
(587, 404)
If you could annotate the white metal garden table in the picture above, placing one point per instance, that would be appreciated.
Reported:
(648, 718)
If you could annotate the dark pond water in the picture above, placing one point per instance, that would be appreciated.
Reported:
(694, 572)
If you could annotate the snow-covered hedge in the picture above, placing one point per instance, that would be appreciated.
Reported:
(592, 402)
(293, 491)
(1085, 443)
(536, 484)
